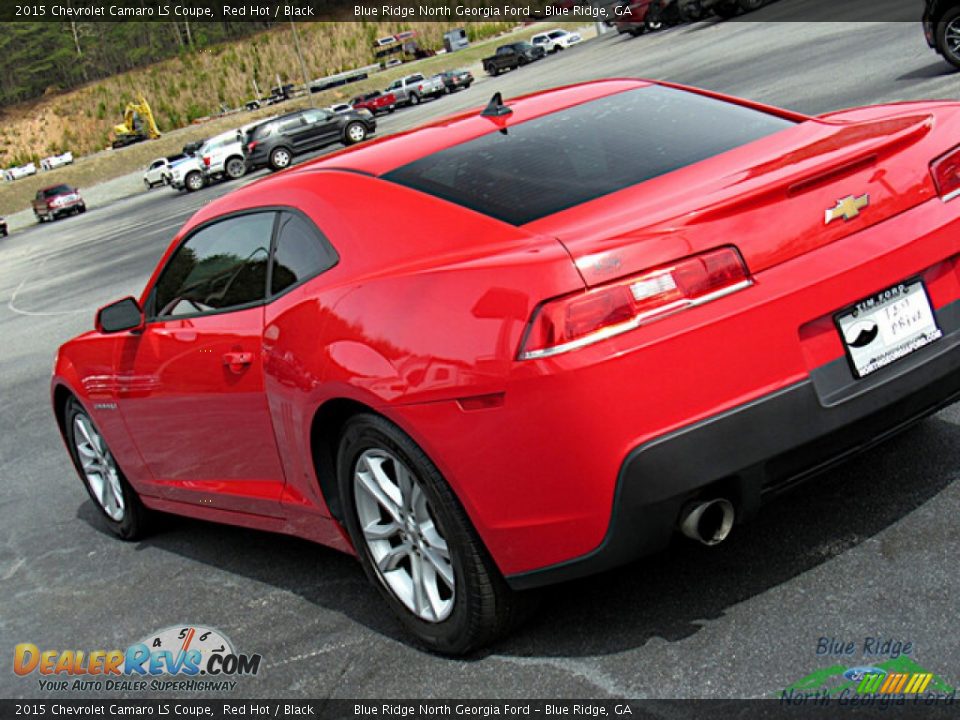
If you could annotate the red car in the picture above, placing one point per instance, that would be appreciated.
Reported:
(375, 102)
(573, 344)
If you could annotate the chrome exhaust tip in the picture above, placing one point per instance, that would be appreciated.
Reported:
(708, 522)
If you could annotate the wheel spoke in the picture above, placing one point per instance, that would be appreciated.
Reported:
(406, 485)
(99, 468)
(392, 557)
(440, 564)
(380, 530)
(396, 522)
(433, 538)
(373, 488)
(420, 595)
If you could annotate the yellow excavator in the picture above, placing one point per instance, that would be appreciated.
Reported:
(138, 124)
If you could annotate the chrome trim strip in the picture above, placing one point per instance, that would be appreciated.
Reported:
(637, 321)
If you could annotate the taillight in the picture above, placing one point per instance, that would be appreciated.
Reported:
(251, 146)
(946, 174)
(206, 160)
(584, 318)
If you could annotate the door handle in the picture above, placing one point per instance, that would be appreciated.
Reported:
(237, 361)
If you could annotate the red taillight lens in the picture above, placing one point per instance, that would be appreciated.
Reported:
(946, 174)
(251, 146)
(584, 318)
(206, 161)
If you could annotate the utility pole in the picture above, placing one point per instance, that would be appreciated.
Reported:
(303, 65)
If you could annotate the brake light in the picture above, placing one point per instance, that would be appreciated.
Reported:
(251, 146)
(581, 319)
(946, 174)
(206, 160)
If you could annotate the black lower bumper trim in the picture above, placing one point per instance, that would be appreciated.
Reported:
(762, 447)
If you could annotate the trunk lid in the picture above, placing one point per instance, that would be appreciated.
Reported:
(769, 198)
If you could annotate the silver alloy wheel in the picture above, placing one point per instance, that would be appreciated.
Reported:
(409, 554)
(951, 37)
(99, 468)
(281, 158)
(194, 181)
(356, 133)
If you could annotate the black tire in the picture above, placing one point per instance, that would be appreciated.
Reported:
(750, 5)
(193, 181)
(414, 99)
(148, 184)
(952, 16)
(494, 70)
(654, 19)
(40, 218)
(235, 168)
(4, 232)
(135, 521)
(484, 608)
(635, 32)
(83, 209)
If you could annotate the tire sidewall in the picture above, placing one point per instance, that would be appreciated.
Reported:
(941, 32)
(365, 432)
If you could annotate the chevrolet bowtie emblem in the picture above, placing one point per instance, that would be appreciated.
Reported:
(847, 208)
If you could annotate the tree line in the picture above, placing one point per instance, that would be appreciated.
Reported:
(37, 57)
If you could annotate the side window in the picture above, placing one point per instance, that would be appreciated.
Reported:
(315, 116)
(294, 123)
(301, 253)
(222, 266)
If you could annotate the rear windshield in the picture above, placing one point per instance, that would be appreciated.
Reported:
(552, 163)
(58, 190)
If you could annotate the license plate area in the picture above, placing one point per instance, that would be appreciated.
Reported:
(888, 326)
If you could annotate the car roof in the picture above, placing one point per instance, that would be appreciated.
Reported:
(380, 156)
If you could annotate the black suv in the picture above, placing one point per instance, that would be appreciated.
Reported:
(941, 25)
(276, 142)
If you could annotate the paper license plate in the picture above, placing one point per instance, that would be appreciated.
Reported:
(888, 326)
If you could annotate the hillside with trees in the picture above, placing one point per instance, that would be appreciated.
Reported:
(64, 85)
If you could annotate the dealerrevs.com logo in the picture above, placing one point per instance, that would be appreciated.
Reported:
(181, 658)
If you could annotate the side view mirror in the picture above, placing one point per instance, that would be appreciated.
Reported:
(121, 315)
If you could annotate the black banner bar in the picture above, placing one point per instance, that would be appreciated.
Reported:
(464, 11)
(813, 707)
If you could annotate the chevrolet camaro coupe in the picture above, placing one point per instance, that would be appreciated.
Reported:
(576, 341)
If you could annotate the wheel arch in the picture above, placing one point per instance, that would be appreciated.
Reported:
(325, 430)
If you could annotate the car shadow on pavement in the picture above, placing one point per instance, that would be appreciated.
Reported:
(668, 595)
(935, 69)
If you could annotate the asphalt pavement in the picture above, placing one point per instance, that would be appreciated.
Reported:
(866, 551)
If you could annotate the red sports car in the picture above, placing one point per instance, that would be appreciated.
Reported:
(575, 341)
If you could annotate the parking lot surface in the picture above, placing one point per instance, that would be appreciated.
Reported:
(866, 551)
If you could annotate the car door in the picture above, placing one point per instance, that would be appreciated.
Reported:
(322, 128)
(191, 384)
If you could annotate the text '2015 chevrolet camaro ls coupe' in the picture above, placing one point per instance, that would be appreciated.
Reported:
(601, 315)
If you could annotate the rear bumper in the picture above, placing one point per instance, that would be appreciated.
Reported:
(793, 436)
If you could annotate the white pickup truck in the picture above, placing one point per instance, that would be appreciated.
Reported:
(412, 89)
